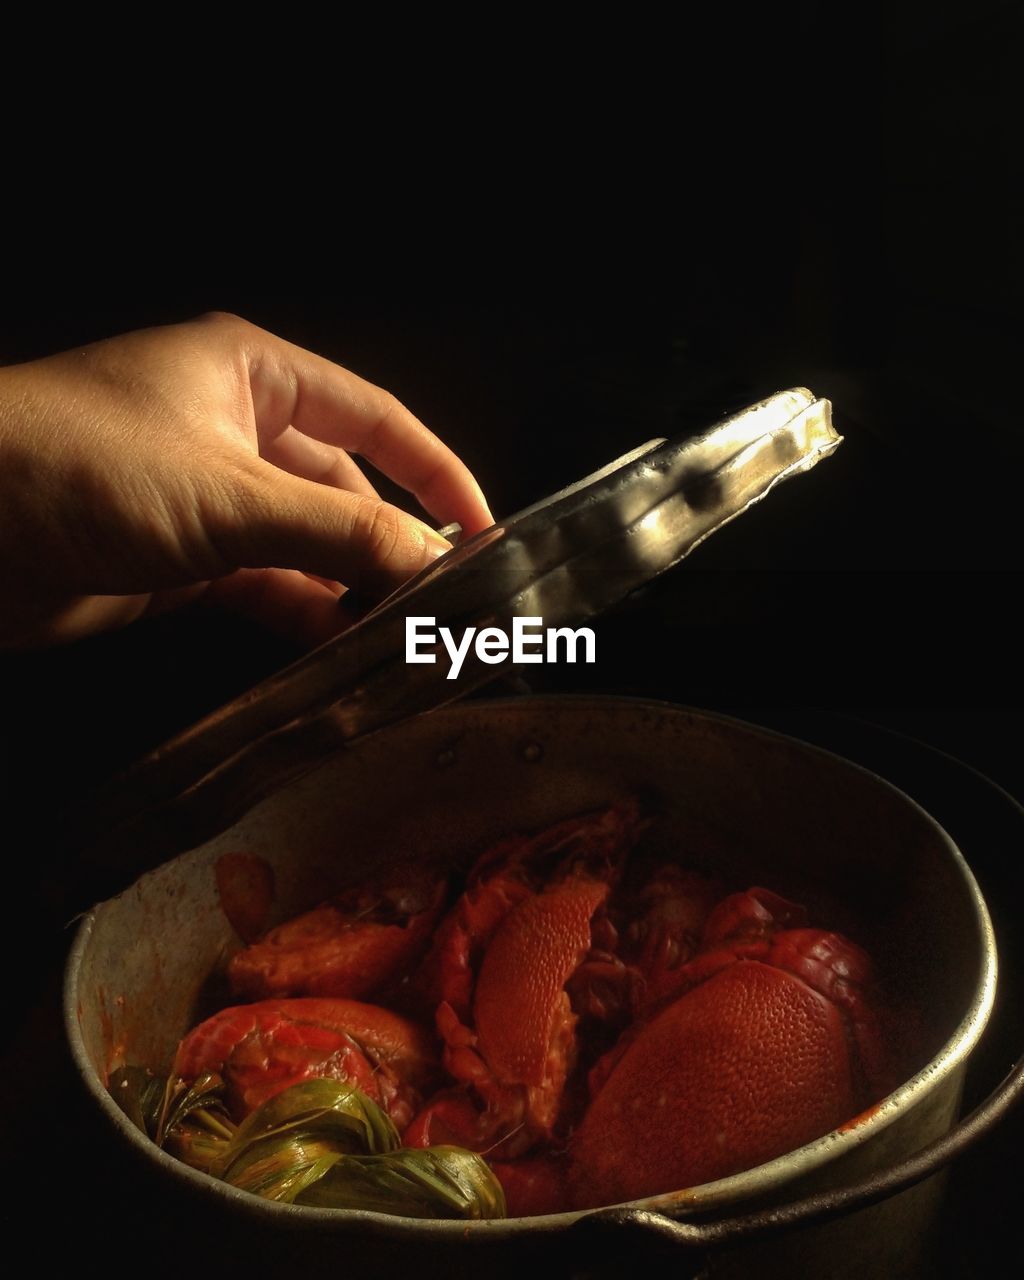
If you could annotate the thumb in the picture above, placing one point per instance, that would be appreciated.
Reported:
(281, 521)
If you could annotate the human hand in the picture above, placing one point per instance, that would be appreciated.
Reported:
(207, 457)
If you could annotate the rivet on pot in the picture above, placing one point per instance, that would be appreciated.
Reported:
(532, 752)
(445, 758)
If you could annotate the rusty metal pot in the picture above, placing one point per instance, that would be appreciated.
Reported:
(815, 827)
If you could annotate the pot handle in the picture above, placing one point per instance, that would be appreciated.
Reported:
(610, 1235)
(697, 1238)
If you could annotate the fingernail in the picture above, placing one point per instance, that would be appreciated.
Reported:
(435, 547)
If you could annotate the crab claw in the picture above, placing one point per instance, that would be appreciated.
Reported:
(348, 947)
(516, 1057)
(451, 1118)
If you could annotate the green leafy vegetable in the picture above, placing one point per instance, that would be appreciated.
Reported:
(429, 1182)
(319, 1142)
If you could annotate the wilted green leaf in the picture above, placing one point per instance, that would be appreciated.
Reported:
(320, 1142)
(432, 1182)
(280, 1167)
(202, 1100)
(196, 1147)
(328, 1109)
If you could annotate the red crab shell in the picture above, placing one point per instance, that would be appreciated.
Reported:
(772, 1042)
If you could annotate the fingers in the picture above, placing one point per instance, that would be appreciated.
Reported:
(322, 400)
(43, 622)
(313, 460)
(335, 588)
(279, 520)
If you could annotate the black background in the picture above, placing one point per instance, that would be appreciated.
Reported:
(884, 588)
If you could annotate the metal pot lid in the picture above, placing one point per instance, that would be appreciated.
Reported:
(564, 560)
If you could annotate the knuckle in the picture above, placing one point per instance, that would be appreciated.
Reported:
(388, 406)
(381, 530)
(387, 409)
(234, 508)
(244, 489)
(223, 320)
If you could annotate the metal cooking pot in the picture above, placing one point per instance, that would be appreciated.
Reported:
(758, 807)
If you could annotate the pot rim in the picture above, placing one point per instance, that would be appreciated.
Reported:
(725, 1193)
